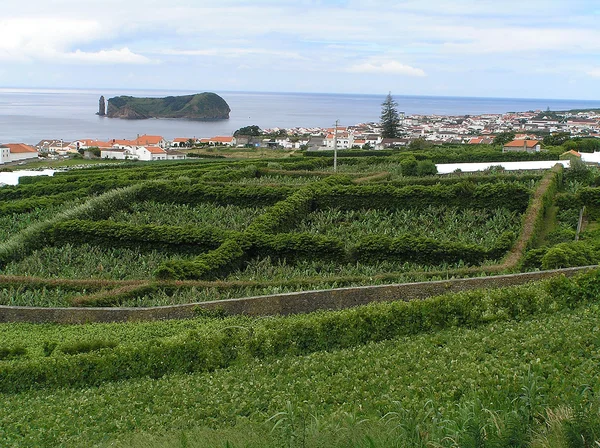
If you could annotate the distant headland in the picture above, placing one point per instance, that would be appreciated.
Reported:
(201, 106)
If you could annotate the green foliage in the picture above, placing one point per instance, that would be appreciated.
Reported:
(498, 195)
(75, 348)
(12, 352)
(503, 138)
(203, 106)
(425, 250)
(426, 168)
(408, 166)
(419, 144)
(556, 139)
(390, 118)
(575, 253)
(230, 341)
(253, 130)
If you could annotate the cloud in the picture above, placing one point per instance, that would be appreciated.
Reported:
(234, 53)
(122, 56)
(59, 40)
(389, 67)
(595, 72)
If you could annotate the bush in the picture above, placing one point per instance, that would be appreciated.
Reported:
(409, 166)
(13, 352)
(86, 347)
(426, 168)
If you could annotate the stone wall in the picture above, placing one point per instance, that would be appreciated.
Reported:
(278, 304)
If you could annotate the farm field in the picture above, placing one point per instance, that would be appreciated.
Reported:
(274, 226)
(521, 368)
(511, 366)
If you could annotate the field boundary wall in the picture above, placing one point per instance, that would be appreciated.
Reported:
(279, 304)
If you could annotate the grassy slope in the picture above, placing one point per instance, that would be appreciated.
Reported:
(546, 362)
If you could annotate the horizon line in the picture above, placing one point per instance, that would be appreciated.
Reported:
(292, 93)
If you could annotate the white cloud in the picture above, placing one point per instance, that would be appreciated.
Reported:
(122, 56)
(595, 72)
(234, 53)
(388, 67)
(59, 40)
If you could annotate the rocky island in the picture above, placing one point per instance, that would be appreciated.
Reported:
(201, 106)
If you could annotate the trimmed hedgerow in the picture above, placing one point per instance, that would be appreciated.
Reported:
(75, 348)
(111, 234)
(227, 257)
(352, 197)
(426, 250)
(233, 339)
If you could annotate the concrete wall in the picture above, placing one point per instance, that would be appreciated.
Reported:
(278, 304)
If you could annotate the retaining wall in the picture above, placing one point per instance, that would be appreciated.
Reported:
(278, 304)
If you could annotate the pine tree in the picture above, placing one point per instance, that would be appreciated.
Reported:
(390, 119)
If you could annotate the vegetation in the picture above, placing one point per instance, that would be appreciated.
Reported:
(517, 362)
(202, 106)
(512, 366)
(390, 118)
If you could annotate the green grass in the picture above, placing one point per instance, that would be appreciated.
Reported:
(432, 381)
(229, 217)
(482, 226)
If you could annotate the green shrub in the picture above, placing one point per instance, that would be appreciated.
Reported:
(85, 347)
(12, 352)
(426, 168)
(408, 166)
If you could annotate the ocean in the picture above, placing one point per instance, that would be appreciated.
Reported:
(32, 115)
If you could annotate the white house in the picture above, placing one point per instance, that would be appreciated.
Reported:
(344, 140)
(150, 153)
(15, 152)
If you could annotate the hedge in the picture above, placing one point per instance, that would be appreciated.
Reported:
(110, 234)
(227, 257)
(36, 235)
(237, 339)
(29, 204)
(426, 250)
(181, 193)
(464, 194)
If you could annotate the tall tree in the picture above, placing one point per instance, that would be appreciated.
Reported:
(390, 119)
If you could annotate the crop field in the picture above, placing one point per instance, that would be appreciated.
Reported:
(255, 227)
(503, 367)
(479, 226)
(515, 366)
(274, 226)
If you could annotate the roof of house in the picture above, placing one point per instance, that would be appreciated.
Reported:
(148, 140)
(155, 150)
(97, 143)
(51, 142)
(572, 152)
(20, 148)
(181, 139)
(221, 139)
(522, 144)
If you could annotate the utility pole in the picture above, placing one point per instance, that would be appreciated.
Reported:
(335, 146)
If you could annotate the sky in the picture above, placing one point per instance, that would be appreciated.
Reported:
(501, 48)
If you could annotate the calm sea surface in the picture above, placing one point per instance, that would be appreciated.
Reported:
(31, 115)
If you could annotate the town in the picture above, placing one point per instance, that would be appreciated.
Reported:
(526, 131)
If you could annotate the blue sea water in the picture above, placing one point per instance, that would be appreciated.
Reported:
(32, 115)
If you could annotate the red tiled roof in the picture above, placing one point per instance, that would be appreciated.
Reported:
(148, 140)
(19, 148)
(522, 143)
(155, 150)
(222, 139)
